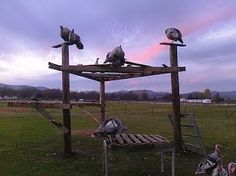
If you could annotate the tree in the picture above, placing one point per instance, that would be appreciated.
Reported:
(207, 93)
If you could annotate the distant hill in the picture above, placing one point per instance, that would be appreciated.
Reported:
(230, 94)
(18, 87)
(152, 95)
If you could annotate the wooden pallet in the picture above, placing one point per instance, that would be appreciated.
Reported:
(138, 141)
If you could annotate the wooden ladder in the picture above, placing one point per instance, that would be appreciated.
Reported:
(191, 136)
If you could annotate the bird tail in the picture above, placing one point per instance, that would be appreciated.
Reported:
(180, 39)
(80, 46)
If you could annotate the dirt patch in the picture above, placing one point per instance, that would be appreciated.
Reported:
(15, 110)
(82, 132)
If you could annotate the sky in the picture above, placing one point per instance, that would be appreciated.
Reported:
(28, 29)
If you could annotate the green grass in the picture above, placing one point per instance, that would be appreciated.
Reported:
(30, 145)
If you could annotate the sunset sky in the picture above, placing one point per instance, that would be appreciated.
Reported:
(28, 29)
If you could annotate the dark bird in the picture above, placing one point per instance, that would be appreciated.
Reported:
(164, 65)
(65, 32)
(110, 127)
(116, 57)
(71, 37)
(75, 39)
(174, 34)
(210, 161)
(232, 169)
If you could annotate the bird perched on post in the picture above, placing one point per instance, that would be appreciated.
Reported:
(174, 34)
(210, 161)
(71, 37)
(110, 127)
(116, 57)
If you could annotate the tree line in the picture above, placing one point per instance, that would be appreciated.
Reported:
(56, 94)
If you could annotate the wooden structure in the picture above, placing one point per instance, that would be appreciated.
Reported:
(138, 141)
(103, 73)
(191, 136)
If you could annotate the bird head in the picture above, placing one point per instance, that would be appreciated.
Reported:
(218, 148)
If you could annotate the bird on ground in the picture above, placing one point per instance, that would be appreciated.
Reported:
(209, 162)
(71, 37)
(219, 170)
(232, 169)
(116, 57)
(174, 34)
(110, 127)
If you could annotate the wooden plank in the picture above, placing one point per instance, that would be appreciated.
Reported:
(172, 44)
(127, 139)
(134, 138)
(187, 126)
(119, 139)
(158, 138)
(189, 135)
(52, 119)
(163, 138)
(150, 138)
(91, 115)
(143, 139)
(94, 68)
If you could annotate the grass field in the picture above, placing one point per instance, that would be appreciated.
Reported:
(30, 145)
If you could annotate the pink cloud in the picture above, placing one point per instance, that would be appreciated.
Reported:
(188, 27)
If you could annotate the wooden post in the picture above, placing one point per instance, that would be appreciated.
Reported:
(66, 100)
(102, 100)
(175, 96)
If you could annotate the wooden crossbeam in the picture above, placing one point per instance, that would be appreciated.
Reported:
(106, 68)
(51, 119)
(90, 114)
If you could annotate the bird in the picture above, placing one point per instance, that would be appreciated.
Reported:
(110, 127)
(174, 34)
(75, 39)
(71, 37)
(210, 161)
(96, 63)
(116, 57)
(219, 170)
(232, 169)
(64, 33)
(164, 65)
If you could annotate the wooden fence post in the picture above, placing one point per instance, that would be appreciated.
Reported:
(102, 100)
(175, 96)
(66, 100)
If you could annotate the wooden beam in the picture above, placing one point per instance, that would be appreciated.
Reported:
(51, 119)
(66, 99)
(105, 68)
(102, 100)
(175, 99)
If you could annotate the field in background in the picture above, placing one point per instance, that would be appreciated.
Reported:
(30, 145)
